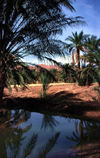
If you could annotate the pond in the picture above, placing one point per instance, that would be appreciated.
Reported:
(25, 134)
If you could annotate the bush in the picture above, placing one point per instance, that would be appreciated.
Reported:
(45, 81)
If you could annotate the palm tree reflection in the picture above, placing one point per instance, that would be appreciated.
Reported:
(48, 121)
(13, 137)
(19, 116)
(87, 138)
(29, 149)
(43, 151)
(30, 146)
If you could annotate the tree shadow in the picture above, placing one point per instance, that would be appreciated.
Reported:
(62, 102)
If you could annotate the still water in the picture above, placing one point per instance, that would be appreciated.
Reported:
(25, 134)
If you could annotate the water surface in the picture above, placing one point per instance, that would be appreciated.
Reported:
(25, 134)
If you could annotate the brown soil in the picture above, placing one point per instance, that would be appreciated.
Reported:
(61, 98)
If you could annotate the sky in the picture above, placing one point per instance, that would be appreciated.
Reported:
(90, 11)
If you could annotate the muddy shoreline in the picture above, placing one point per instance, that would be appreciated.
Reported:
(63, 99)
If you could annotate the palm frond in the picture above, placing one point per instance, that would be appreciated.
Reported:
(49, 145)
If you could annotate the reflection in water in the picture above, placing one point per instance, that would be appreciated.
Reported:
(12, 138)
(78, 134)
(30, 146)
(49, 121)
(49, 145)
(87, 139)
(26, 135)
(10, 134)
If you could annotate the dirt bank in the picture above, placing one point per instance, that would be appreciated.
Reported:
(62, 98)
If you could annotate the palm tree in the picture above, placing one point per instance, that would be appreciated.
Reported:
(26, 28)
(92, 45)
(77, 42)
(68, 74)
(45, 80)
(92, 56)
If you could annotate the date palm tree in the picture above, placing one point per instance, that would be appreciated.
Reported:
(77, 43)
(92, 44)
(92, 57)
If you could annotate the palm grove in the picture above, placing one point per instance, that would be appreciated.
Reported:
(27, 27)
(90, 46)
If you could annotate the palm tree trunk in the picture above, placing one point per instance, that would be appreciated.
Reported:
(89, 78)
(78, 54)
(78, 59)
(73, 60)
(1, 88)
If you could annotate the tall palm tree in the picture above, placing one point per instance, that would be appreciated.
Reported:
(77, 42)
(92, 44)
(92, 56)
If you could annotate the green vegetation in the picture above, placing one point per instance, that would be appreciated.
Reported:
(24, 32)
(77, 41)
(45, 81)
(90, 46)
(28, 27)
(98, 97)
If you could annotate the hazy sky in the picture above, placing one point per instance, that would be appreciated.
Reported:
(90, 10)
